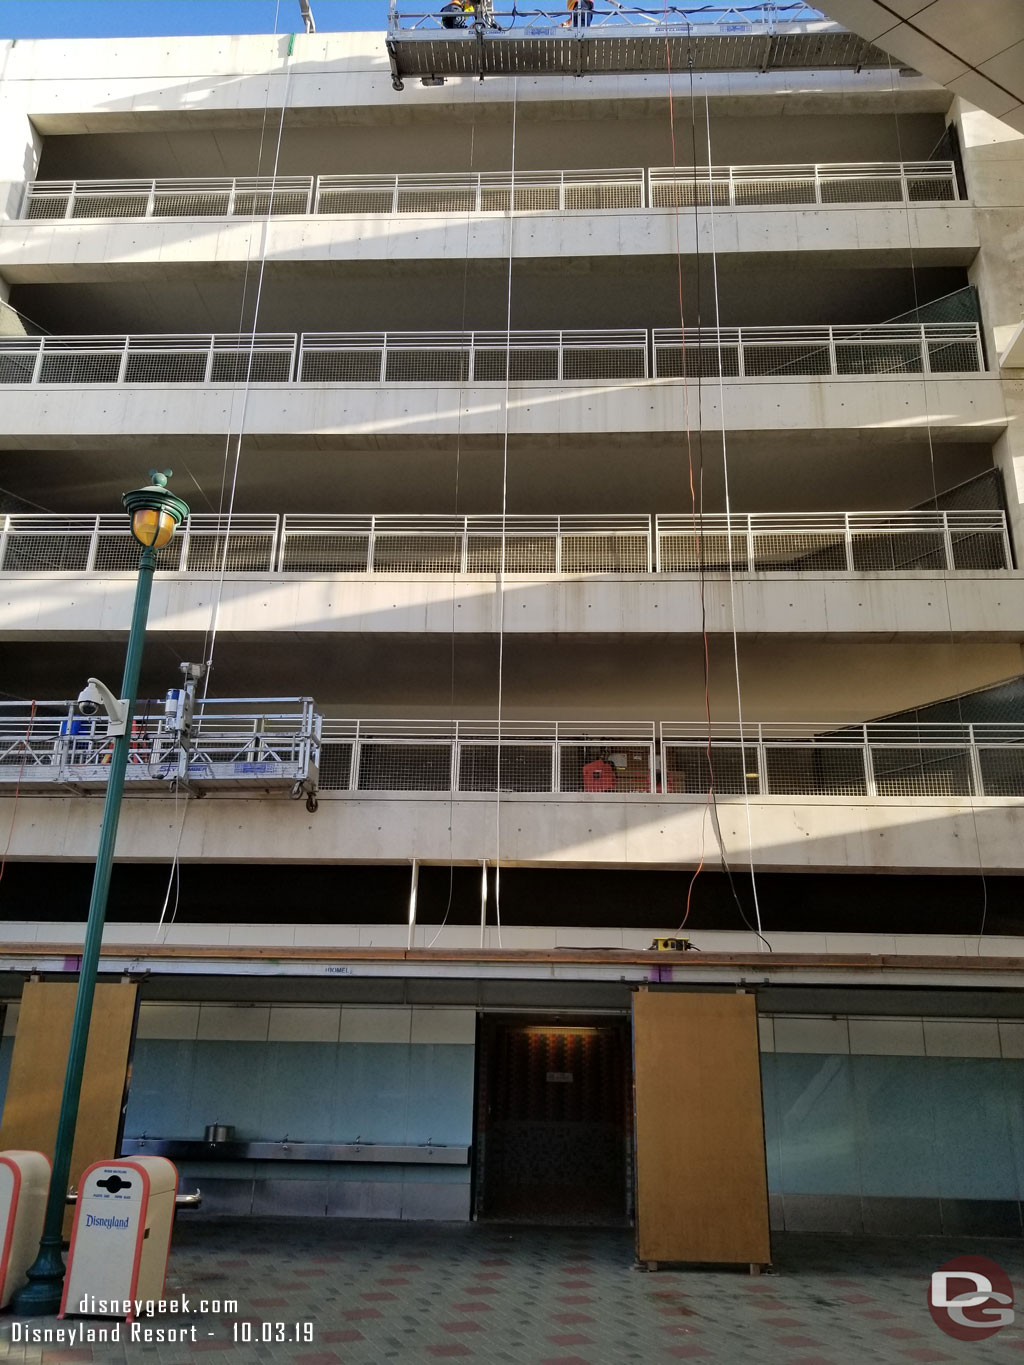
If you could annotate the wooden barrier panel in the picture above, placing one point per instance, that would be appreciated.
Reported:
(702, 1189)
(39, 1060)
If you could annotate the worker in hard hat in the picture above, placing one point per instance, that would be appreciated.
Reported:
(581, 13)
(453, 15)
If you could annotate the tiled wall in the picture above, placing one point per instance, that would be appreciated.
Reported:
(316, 1073)
(894, 1125)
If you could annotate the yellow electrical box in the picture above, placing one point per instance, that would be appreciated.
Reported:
(671, 945)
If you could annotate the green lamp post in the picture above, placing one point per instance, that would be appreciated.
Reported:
(155, 514)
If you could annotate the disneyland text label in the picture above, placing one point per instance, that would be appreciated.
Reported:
(25, 1333)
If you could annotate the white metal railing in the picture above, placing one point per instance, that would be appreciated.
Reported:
(206, 197)
(617, 758)
(482, 357)
(778, 352)
(875, 182)
(471, 357)
(268, 743)
(258, 742)
(505, 16)
(497, 191)
(318, 543)
(833, 542)
(219, 358)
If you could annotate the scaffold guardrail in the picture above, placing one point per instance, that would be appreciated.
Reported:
(646, 758)
(617, 543)
(260, 744)
(522, 192)
(531, 357)
(437, 40)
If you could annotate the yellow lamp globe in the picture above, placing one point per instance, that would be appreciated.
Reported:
(155, 511)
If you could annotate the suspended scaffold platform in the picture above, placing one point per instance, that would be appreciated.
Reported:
(259, 744)
(437, 39)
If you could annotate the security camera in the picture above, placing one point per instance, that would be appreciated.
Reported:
(95, 697)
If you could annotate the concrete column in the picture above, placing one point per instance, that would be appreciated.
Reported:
(994, 167)
(20, 147)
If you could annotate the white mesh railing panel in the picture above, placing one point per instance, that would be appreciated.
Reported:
(814, 770)
(120, 554)
(166, 367)
(260, 203)
(603, 362)
(523, 554)
(613, 195)
(604, 768)
(355, 199)
(29, 553)
(191, 203)
(697, 361)
(866, 189)
(343, 366)
(437, 199)
(688, 552)
(773, 190)
(47, 206)
(110, 205)
(335, 767)
(77, 367)
(798, 552)
(427, 366)
(939, 189)
(593, 553)
(524, 767)
(528, 364)
(528, 199)
(779, 358)
(325, 553)
(683, 193)
(687, 769)
(890, 553)
(260, 367)
(17, 367)
(416, 553)
(924, 771)
(878, 357)
(955, 356)
(405, 767)
(246, 553)
(1002, 770)
(978, 550)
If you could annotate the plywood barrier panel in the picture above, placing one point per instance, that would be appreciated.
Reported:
(39, 1061)
(702, 1192)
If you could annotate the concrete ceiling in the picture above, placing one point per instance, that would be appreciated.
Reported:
(975, 48)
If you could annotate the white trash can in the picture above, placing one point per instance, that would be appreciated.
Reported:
(121, 1238)
(24, 1187)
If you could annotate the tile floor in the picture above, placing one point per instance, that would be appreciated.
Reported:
(424, 1293)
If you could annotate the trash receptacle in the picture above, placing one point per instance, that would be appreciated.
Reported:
(24, 1187)
(121, 1237)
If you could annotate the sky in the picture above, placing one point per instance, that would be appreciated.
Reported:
(138, 18)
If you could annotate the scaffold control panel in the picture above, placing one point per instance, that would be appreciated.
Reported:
(436, 39)
(235, 744)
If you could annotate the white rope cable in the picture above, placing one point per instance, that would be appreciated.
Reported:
(464, 378)
(728, 533)
(210, 636)
(504, 510)
(247, 388)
